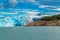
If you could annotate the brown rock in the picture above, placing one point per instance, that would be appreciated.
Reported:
(45, 23)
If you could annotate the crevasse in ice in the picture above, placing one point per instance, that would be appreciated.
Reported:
(11, 20)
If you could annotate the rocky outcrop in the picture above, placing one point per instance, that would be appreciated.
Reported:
(45, 23)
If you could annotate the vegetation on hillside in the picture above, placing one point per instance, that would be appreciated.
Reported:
(47, 21)
(50, 18)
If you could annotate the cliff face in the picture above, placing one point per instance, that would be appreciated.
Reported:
(45, 23)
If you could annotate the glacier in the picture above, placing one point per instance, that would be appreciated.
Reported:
(11, 19)
(21, 17)
(22, 12)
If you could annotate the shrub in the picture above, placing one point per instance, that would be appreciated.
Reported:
(54, 17)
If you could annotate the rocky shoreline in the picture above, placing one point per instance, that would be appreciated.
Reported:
(47, 21)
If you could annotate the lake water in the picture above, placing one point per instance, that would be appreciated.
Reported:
(30, 33)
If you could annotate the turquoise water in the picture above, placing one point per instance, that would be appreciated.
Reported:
(30, 33)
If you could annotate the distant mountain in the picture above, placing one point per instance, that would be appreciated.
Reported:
(47, 21)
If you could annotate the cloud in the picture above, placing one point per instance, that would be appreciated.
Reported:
(49, 7)
(32, 13)
(45, 6)
(13, 2)
(31, 1)
(8, 13)
(56, 9)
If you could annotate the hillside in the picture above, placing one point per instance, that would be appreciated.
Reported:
(47, 21)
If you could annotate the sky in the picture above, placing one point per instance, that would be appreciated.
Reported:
(33, 5)
(23, 7)
(27, 8)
